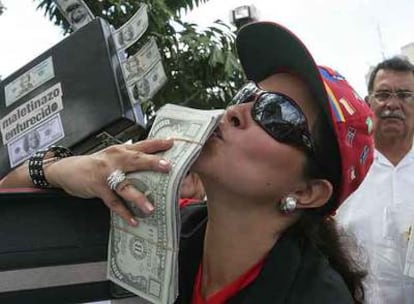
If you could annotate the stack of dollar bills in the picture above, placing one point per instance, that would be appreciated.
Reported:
(144, 259)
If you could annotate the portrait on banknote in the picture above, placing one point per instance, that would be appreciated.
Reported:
(141, 89)
(76, 13)
(127, 34)
(31, 142)
(139, 22)
(132, 68)
(25, 84)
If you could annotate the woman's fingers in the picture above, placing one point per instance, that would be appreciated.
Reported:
(114, 202)
(126, 192)
(135, 157)
(143, 158)
(87, 176)
(151, 145)
(132, 195)
(144, 162)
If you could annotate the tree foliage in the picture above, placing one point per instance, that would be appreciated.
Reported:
(201, 65)
(2, 8)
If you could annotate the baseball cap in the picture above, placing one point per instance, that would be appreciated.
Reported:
(266, 48)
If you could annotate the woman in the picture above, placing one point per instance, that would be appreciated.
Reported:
(295, 143)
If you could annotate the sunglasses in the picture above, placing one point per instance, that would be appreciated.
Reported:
(277, 114)
(405, 96)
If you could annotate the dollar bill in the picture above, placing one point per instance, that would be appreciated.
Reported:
(29, 81)
(41, 137)
(135, 66)
(76, 12)
(143, 259)
(132, 30)
(145, 87)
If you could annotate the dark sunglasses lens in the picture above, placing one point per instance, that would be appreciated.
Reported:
(279, 117)
(245, 94)
(273, 107)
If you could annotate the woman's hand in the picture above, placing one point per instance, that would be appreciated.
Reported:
(86, 176)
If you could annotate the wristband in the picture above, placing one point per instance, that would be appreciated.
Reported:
(37, 162)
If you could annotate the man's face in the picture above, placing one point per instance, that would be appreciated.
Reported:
(394, 116)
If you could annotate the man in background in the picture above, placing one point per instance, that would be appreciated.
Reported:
(381, 212)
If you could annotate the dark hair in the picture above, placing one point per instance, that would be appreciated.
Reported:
(317, 226)
(399, 64)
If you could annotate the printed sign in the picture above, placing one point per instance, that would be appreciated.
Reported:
(31, 113)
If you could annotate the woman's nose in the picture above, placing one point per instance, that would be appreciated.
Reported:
(236, 116)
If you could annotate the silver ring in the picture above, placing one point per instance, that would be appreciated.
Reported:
(115, 178)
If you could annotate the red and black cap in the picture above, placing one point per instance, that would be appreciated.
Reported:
(267, 48)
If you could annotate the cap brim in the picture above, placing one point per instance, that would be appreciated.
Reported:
(266, 48)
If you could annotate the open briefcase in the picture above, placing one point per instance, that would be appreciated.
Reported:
(73, 95)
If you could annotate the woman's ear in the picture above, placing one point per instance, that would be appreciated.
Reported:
(314, 193)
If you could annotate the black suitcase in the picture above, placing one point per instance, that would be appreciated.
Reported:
(53, 247)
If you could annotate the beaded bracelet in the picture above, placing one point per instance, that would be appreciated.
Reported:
(37, 162)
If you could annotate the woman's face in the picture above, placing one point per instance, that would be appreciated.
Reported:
(247, 161)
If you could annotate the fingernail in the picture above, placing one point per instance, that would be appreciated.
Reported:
(164, 164)
(148, 206)
(133, 221)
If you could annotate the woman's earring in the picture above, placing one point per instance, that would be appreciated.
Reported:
(288, 204)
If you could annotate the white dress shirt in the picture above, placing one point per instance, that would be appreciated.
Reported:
(379, 215)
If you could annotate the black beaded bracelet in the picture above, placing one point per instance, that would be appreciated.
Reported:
(37, 161)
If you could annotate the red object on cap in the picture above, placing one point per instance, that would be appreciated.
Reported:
(266, 48)
(353, 124)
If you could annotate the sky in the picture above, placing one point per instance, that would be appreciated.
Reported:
(25, 33)
(349, 36)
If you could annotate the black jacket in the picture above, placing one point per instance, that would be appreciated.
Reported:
(294, 272)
